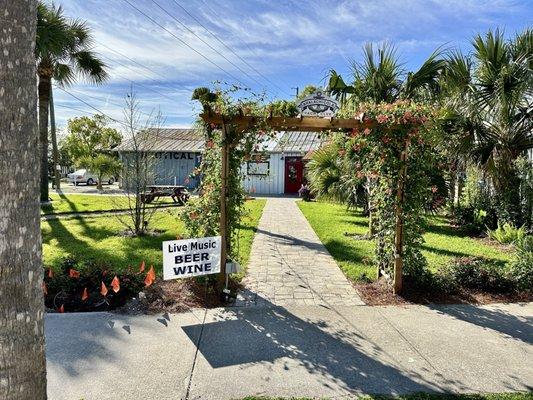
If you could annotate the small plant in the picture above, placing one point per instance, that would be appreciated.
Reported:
(522, 268)
(507, 233)
(479, 274)
(305, 193)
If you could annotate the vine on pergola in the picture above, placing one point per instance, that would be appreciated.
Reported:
(396, 157)
(202, 215)
(391, 145)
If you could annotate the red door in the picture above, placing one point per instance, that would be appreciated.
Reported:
(294, 171)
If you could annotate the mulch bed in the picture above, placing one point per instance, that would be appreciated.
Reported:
(176, 296)
(379, 293)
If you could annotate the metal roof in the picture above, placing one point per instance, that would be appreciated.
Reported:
(166, 139)
(298, 142)
(192, 140)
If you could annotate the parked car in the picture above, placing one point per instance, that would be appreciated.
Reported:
(87, 177)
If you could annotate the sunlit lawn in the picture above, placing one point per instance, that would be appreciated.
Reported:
(101, 239)
(442, 242)
(79, 203)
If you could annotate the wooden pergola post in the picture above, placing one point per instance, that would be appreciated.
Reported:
(224, 156)
(399, 237)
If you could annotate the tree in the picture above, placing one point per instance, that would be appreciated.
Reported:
(138, 165)
(22, 358)
(489, 97)
(88, 137)
(102, 165)
(63, 52)
(381, 78)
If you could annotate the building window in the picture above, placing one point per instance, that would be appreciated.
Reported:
(258, 166)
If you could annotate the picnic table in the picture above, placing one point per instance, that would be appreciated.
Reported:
(178, 193)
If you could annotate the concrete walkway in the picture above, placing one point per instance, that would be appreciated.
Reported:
(303, 351)
(290, 266)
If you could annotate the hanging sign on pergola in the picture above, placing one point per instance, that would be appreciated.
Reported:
(318, 104)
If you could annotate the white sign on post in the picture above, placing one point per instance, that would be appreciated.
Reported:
(191, 257)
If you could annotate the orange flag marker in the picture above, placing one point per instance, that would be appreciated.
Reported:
(141, 267)
(115, 284)
(62, 308)
(45, 289)
(85, 295)
(103, 289)
(73, 273)
(50, 273)
(150, 277)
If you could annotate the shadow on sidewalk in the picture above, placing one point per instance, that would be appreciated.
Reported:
(497, 320)
(335, 356)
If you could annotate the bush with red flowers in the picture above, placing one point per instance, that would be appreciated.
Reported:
(87, 286)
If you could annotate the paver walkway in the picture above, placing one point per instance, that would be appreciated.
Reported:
(290, 266)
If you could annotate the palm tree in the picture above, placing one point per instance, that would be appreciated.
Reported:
(22, 356)
(381, 78)
(490, 98)
(63, 52)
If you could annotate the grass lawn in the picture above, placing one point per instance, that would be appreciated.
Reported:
(100, 239)
(86, 203)
(442, 243)
(427, 396)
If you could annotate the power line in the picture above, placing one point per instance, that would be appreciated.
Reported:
(91, 106)
(100, 98)
(137, 83)
(132, 60)
(206, 43)
(214, 13)
(227, 46)
(184, 43)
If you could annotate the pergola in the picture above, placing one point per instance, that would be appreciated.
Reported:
(316, 124)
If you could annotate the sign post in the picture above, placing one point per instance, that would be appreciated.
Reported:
(191, 257)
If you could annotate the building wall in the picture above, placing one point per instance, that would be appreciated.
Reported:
(174, 168)
(271, 184)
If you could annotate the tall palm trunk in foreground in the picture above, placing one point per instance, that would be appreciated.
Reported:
(22, 360)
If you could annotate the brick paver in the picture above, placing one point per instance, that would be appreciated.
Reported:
(290, 266)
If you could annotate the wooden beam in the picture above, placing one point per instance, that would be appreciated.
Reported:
(291, 124)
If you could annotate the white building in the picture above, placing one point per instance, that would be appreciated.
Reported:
(279, 169)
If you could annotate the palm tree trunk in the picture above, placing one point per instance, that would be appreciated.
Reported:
(507, 188)
(22, 359)
(44, 105)
(53, 136)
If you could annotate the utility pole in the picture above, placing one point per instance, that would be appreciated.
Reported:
(297, 91)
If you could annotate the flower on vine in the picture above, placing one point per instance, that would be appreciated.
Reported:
(434, 189)
(355, 132)
(382, 118)
(342, 152)
(210, 144)
(212, 125)
(367, 132)
(186, 181)
(385, 139)
(360, 174)
(193, 215)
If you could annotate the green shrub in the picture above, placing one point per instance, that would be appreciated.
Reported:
(507, 233)
(474, 220)
(479, 274)
(522, 268)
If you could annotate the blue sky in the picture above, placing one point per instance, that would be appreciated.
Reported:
(281, 44)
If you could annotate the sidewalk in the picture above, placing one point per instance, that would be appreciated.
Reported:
(307, 351)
